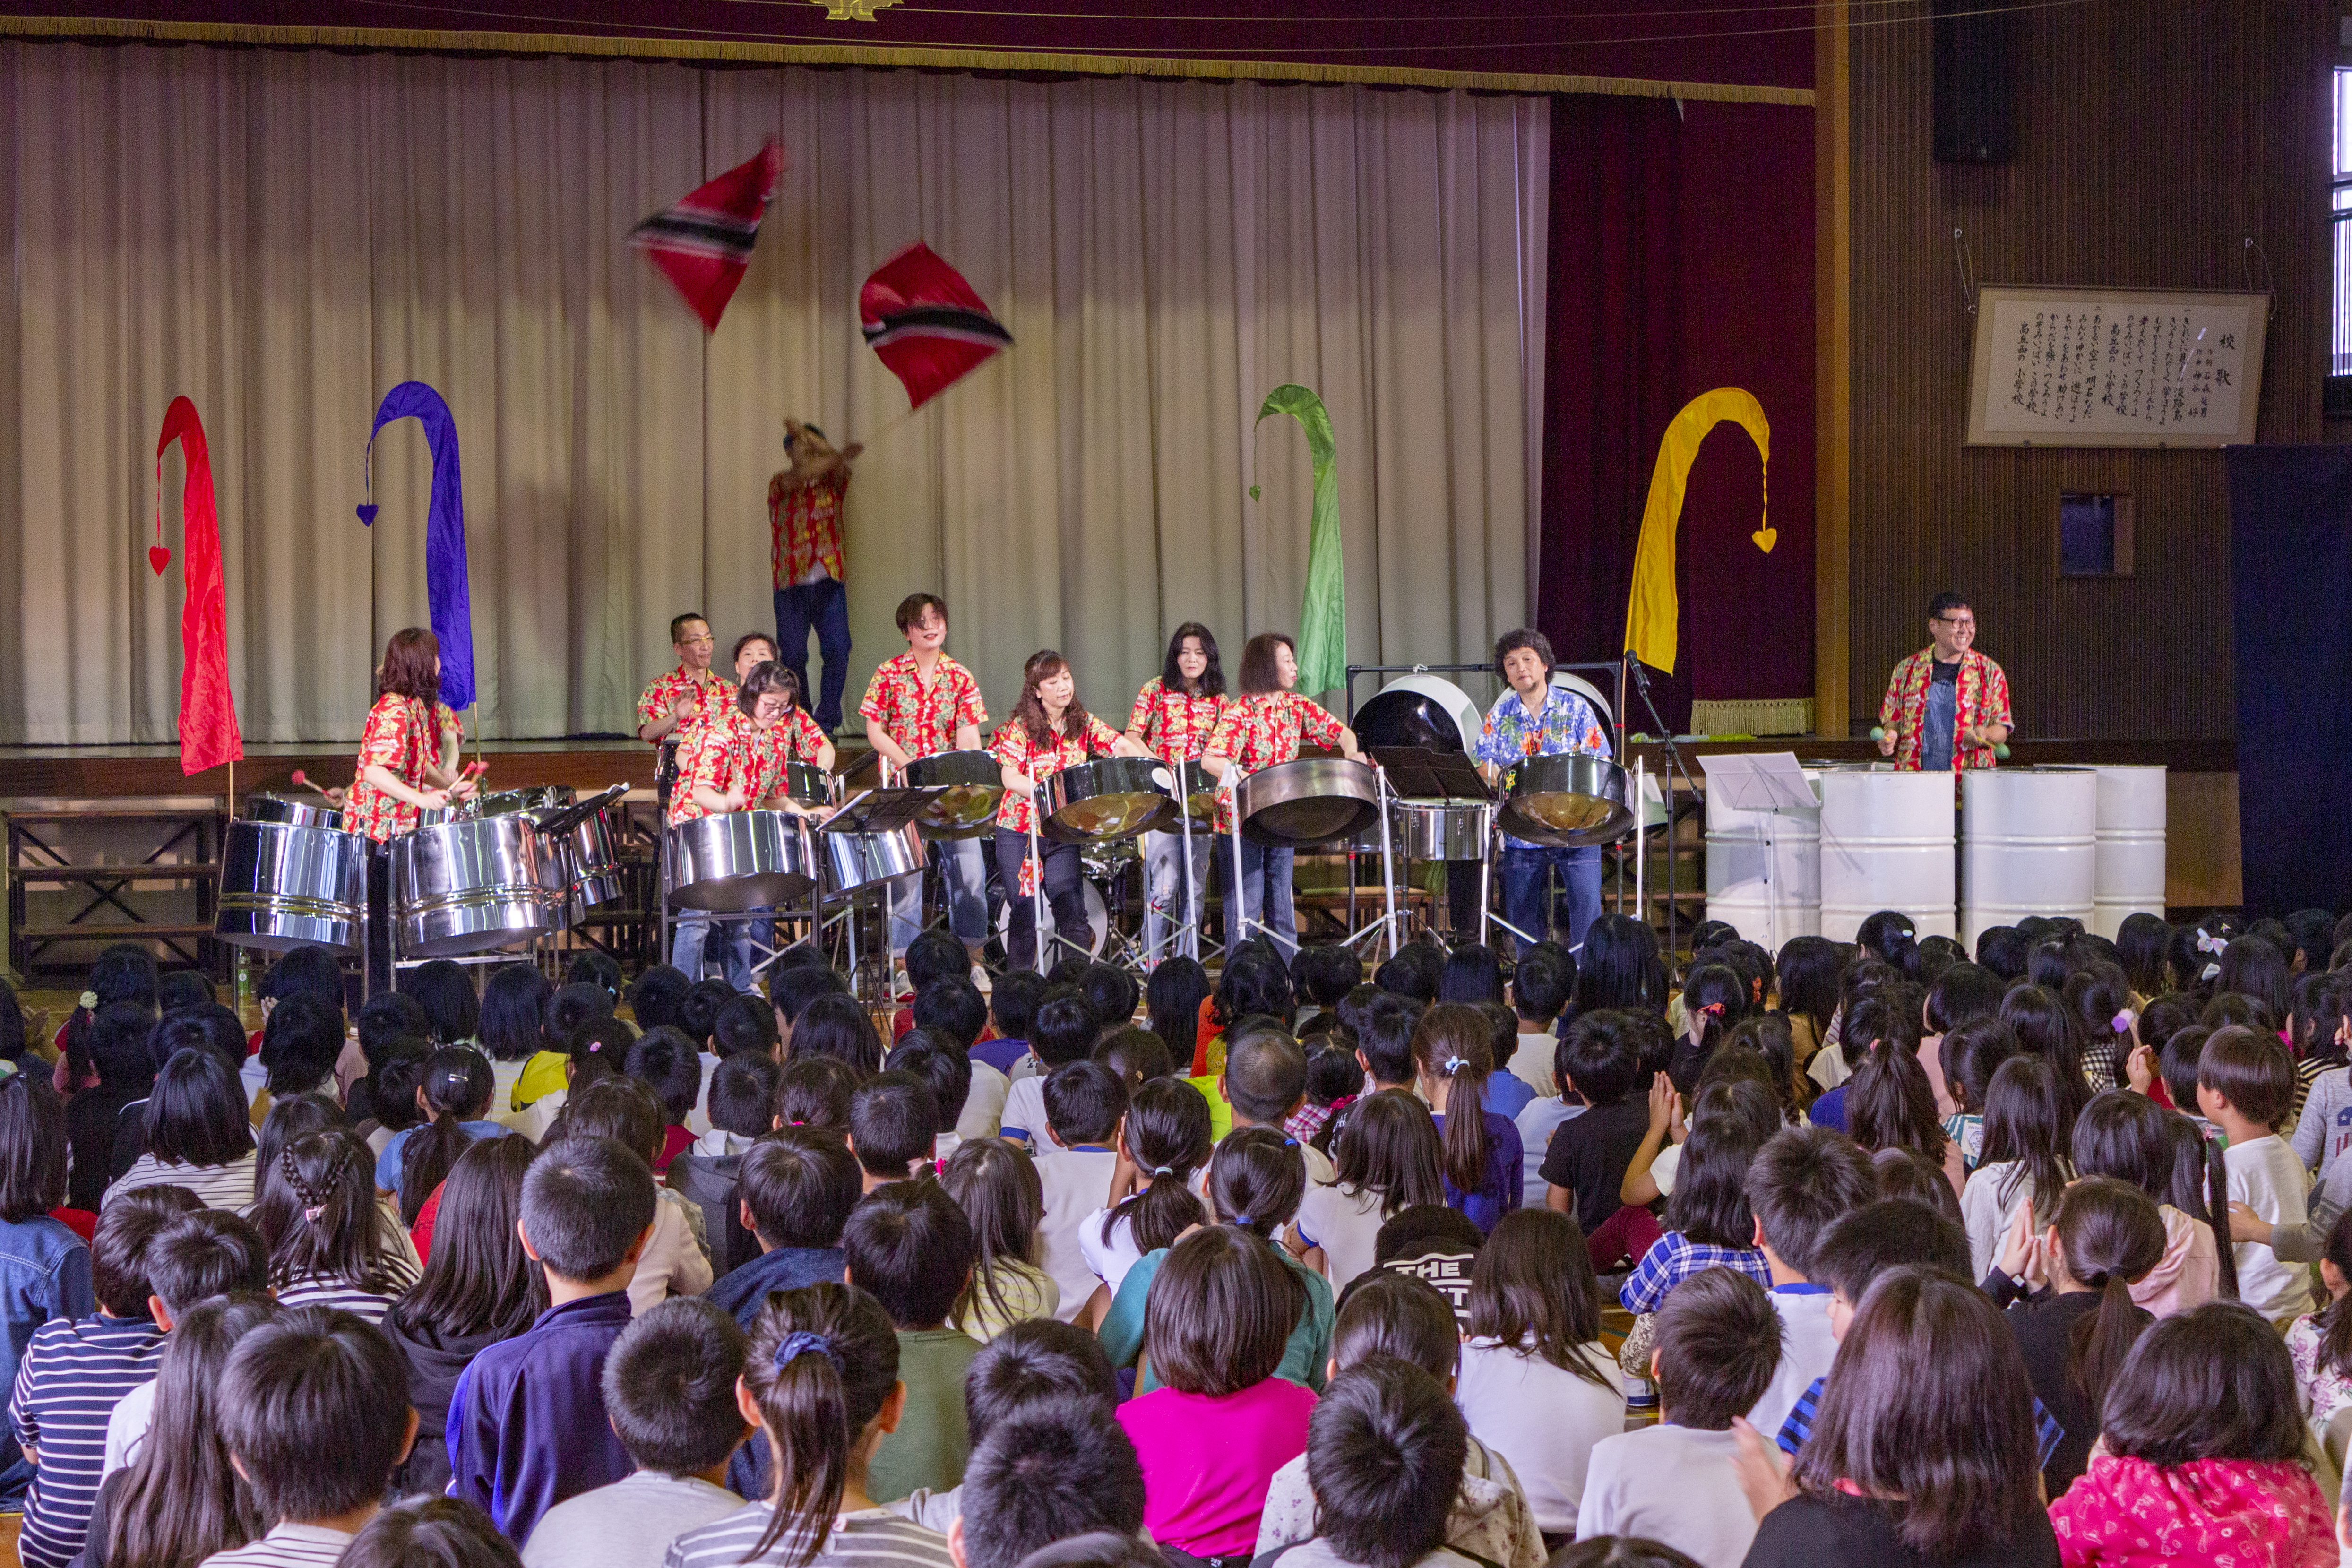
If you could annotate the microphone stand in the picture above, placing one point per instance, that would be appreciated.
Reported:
(1675, 768)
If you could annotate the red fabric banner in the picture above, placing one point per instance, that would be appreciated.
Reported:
(208, 733)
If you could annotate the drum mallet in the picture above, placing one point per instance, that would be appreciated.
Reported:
(1999, 750)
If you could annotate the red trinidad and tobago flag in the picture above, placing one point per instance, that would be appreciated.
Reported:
(704, 243)
(926, 323)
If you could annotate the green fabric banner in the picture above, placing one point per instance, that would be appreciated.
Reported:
(1323, 616)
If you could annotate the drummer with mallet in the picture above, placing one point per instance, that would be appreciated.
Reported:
(1946, 707)
(1537, 719)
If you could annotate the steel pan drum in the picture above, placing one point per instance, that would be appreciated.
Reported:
(1423, 711)
(975, 783)
(261, 805)
(470, 887)
(808, 783)
(511, 802)
(1311, 800)
(285, 884)
(1107, 798)
(591, 858)
(741, 860)
(858, 860)
(1569, 801)
(1432, 830)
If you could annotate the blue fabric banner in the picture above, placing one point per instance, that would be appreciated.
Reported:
(445, 534)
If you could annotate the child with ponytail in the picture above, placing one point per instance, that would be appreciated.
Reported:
(1453, 1055)
(822, 1375)
(454, 1092)
(2131, 1138)
(2321, 1343)
(2100, 998)
(330, 1245)
(1715, 1000)
(1162, 1143)
(2102, 1237)
(1390, 1161)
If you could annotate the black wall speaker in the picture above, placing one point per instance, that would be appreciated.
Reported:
(1976, 117)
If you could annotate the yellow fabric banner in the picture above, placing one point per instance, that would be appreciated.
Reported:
(1653, 609)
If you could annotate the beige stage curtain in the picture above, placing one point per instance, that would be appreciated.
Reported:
(285, 237)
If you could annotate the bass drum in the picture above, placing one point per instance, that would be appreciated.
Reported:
(1426, 712)
(1097, 922)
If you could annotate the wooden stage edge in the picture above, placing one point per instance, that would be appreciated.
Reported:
(118, 773)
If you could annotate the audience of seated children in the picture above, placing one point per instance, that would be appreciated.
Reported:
(44, 1267)
(742, 1107)
(669, 1391)
(1255, 1182)
(1391, 1160)
(197, 1256)
(1077, 1159)
(1163, 1147)
(2245, 1086)
(996, 1186)
(796, 1190)
(676, 1260)
(1541, 984)
(527, 1427)
(665, 1061)
(1035, 1361)
(1263, 1084)
(1389, 1316)
(1453, 1051)
(194, 1133)
(908, 1247)
(1048, 1472)
(1599, 1063)
(1064, 1032)
(330, 1242)
(2027, 1144)
(1802, 1182)
(946, 1071)
(1382, 1446)
(953, 1013)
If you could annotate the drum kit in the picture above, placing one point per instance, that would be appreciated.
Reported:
(491, 873)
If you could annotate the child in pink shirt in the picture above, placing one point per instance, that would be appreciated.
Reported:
(1211, 1436)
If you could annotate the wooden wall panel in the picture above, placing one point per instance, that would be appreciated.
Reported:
(2152, 139)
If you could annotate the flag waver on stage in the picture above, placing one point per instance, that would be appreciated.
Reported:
(927, 326)
(208, 732)
(703, 243)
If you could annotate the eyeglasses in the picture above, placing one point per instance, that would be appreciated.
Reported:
(1958, 623)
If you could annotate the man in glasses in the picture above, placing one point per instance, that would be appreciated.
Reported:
(1947, 705)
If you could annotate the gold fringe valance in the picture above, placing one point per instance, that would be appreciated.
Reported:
(746, 52)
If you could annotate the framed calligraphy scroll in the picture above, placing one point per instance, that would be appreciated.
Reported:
(2114, 367)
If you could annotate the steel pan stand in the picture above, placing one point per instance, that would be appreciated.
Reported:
(1486, 916)
(1183, 939)
(665, 780)
(1393, 921)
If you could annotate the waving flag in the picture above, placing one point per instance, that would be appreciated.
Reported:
(704, 243)
(926, 323)
(1323, 612)
(208, 734)
(445, 584)
(1653, 609)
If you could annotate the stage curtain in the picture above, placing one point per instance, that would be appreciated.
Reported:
(283, 237)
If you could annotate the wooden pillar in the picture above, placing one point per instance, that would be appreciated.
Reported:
(1833, 367)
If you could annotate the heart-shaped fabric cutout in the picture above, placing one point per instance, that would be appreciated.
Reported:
(367, 512)
(1765, 539)
(158, 557)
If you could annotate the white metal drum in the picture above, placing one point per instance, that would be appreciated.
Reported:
(1764, 870)
(2131, 842)
(1886, 844)
(2029, 846)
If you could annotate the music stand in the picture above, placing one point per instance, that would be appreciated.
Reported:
(1769, 784)
(878, 810)
(1431, 776)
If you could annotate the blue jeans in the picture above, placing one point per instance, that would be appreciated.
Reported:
(691, 940)
(963, 874)
(1163, 887)
(1525, 904)
(825, 607)
(1063, 879)
(1265, 891)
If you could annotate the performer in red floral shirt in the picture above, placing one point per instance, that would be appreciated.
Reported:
(805, 504)
(407, 763)
(919, 703)
(1260, 729)
(1050, 730)
(1173, 716)
(1947, 705)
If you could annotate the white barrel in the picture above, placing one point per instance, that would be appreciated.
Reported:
(1764, 870)
(2130, 854)
(1886, 844)
(2028, 846)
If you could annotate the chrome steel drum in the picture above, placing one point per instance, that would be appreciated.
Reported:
(741, 860)
(1107, 798)
(1569, 801)
(592, 857)
(1311, 800)
(312, 811)
(1432, 830)
(975, 783)
(1425, 711)
(510, 802)
(808, 783)
(855, 860)
(287, 885)
(1199, 792)
(471, 886)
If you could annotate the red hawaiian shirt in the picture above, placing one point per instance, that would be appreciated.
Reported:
(1012, 745)
(1174, 726)
(1982, 698)
(798, 740)
(729, 751)
(1260, 731)
(923, 719)
(712, 693)
(403, 734)
(804, 529)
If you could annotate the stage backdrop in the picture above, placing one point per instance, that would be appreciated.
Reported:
(283, 237)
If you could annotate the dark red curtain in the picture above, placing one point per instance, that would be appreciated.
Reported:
(1681, 260)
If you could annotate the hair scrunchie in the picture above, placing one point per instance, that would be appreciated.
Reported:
(801, 1342)
(2122, 1021)
(1455, 1065)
